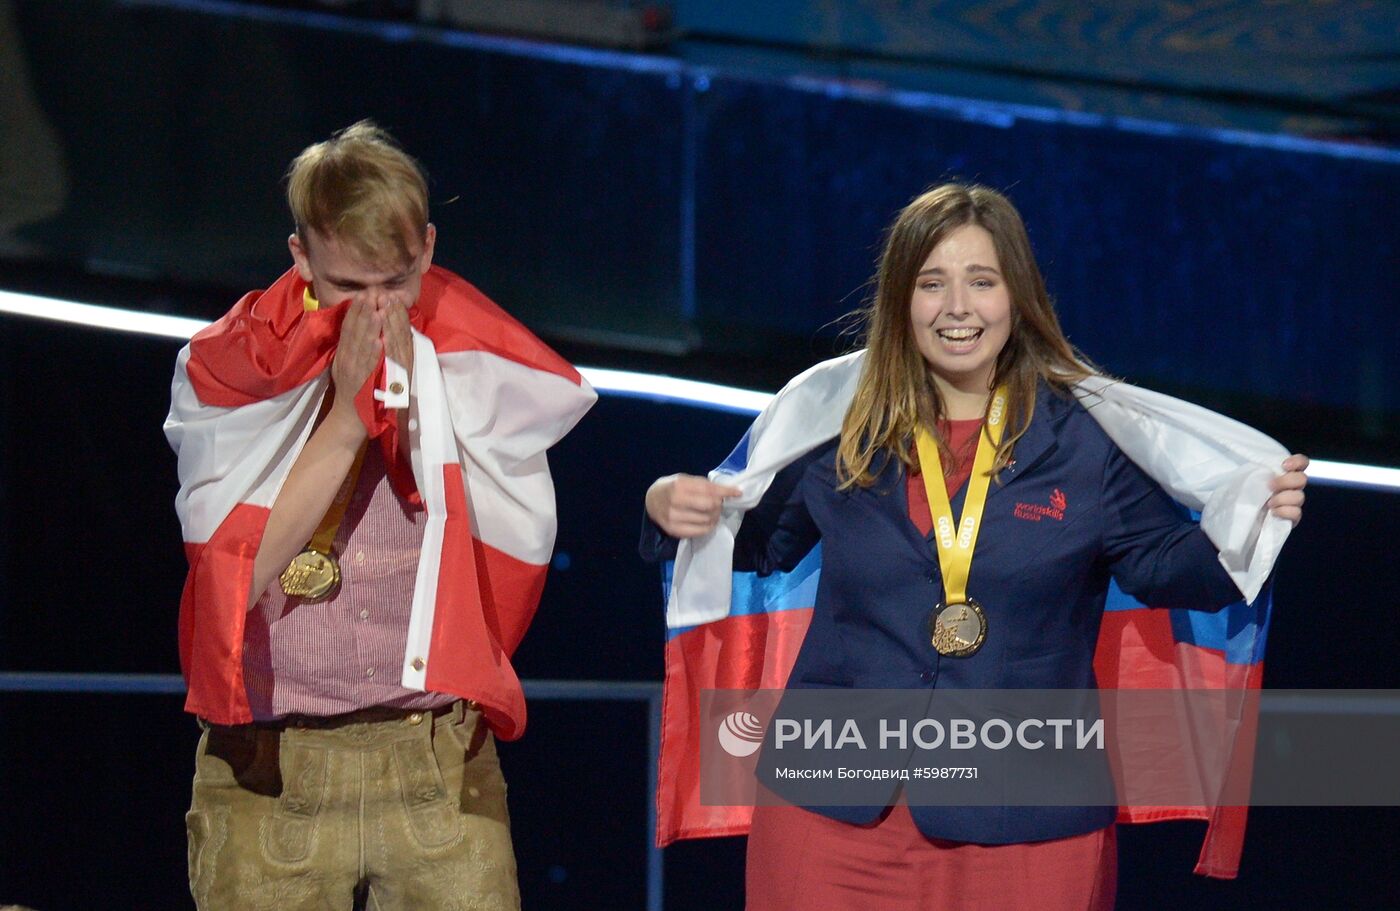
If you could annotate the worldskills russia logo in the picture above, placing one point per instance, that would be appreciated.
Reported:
(740, 734)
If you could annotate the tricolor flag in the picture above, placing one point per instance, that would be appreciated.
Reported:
(728, 630)
(488, 400)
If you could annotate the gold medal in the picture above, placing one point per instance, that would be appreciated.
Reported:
(958, 625)
(958, 630)
(311, 576)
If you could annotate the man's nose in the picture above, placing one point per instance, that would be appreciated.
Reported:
(394, 298)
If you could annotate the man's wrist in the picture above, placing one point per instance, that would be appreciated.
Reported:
(343, 424)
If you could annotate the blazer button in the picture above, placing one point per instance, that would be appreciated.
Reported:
(927, 676)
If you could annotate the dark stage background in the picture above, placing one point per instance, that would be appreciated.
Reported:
(705, 208)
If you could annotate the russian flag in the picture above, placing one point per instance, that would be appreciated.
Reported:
(1142, 647)
(728, 630)
(489, 399)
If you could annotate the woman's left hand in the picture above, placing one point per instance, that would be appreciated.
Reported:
(1287, 501)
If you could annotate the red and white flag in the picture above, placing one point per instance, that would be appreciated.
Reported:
(489, 399)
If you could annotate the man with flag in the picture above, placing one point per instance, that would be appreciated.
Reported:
(368, 517)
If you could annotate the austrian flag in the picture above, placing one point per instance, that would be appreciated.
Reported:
(488, 400)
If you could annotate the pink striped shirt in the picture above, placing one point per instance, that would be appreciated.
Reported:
(344, 653)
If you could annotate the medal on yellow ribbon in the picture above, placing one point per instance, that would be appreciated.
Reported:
(314, 575)
(958, 624)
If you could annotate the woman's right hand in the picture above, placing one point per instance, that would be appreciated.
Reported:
(685, 505)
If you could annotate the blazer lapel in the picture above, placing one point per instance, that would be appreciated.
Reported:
(1039, 440)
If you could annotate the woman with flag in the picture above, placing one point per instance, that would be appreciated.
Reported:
(974, 487)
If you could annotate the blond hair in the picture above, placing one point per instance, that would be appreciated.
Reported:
(896, 394)
(364, 190)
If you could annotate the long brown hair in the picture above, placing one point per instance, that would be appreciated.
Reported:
(895, 394)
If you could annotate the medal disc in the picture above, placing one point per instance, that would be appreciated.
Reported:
(959, 629)
(311, 576)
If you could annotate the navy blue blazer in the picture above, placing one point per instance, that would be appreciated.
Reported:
(1068, 514)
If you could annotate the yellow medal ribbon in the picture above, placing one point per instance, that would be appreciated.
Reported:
(330, 523)
(956, 542)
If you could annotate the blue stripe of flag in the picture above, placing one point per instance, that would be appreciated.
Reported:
(737, 460)
(1239, 630)
(755, 594)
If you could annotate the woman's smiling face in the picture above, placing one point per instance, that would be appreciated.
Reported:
(960, 311)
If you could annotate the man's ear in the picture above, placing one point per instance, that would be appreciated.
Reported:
(300, 256)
